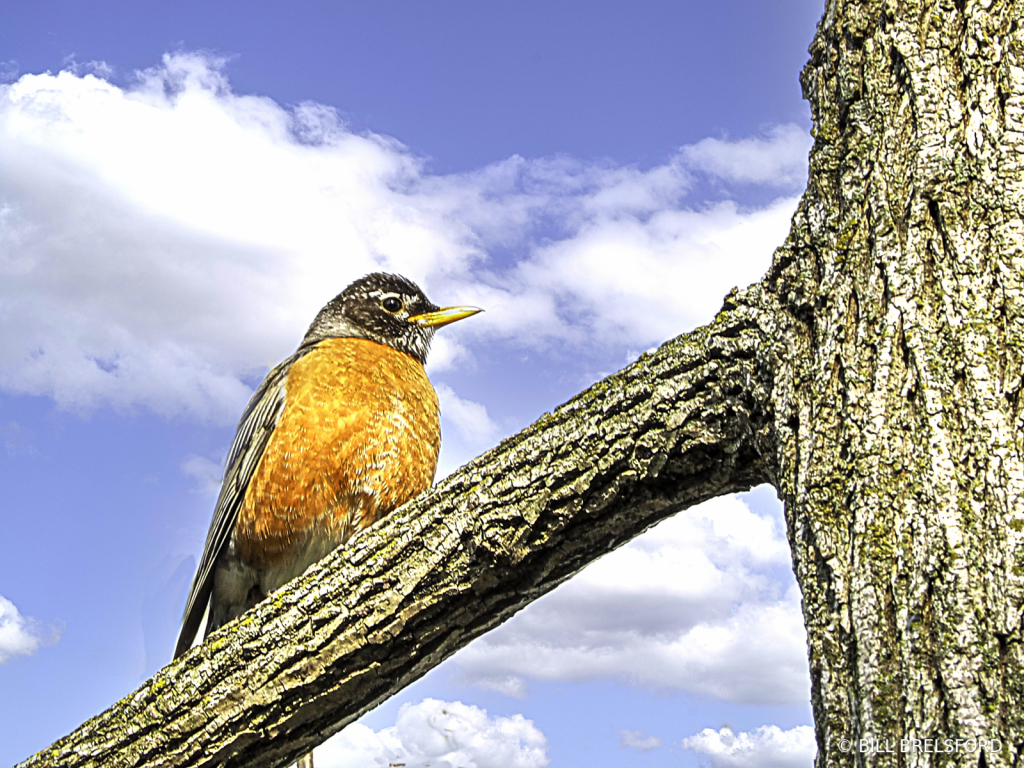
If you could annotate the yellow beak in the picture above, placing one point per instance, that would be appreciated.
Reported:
(443, 316)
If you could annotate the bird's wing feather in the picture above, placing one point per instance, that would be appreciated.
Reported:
(251, 438)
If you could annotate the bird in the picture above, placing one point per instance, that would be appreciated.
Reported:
(337, 436)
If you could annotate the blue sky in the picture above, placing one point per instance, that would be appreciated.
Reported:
(182, 187)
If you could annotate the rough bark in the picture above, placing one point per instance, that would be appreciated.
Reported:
(897, 414)
(675, 429)
(873, 376)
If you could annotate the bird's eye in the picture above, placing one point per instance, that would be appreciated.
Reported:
(391, 304)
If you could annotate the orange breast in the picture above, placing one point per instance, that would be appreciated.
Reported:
(358, 437)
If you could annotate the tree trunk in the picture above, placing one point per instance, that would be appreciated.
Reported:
(897, 415)
(873, 376)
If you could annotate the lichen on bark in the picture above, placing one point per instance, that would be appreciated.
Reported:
(898, 447)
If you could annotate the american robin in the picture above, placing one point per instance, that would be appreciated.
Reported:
(337, 436)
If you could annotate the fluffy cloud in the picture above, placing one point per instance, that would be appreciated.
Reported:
(636, 742)
(164, 242)
(439, 734)
(469, 418)
(641, 279)
(159, 243)
(21, 635)
(704, 603)
(469, 424)
(778, 159)
(767, 747)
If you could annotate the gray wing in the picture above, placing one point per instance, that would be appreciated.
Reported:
(251, 438)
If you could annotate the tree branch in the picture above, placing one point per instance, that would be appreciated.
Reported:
(674, 429)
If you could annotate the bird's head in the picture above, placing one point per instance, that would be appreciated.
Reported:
(388, 309)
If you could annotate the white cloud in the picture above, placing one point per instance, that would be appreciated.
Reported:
(158, 243)
(439, 734)
(634, 280)
(636, 742)
(466, 430)
(444, 354)
(767, 747)
(703, 603)
(779, 159)
(206, 472)
(21, 635)
(469, 418)
(511, 686)
(161, 244)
